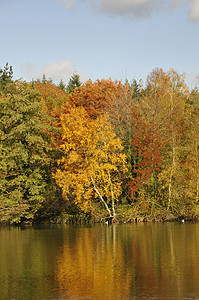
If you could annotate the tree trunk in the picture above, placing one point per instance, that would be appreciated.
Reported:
(101, 198)
(172, 171)
(112, 195)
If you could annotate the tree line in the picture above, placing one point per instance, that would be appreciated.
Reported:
(102, 150)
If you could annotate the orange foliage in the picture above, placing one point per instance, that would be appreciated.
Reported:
(52, 97)
(158, 121)
(147, 143)
(93, 161)
(95, 97)
(91, 270)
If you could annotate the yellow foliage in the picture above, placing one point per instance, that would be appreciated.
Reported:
(93, 161)
(92, 265)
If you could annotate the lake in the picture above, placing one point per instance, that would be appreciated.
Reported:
(100, 262)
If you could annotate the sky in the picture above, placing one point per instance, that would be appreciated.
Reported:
(99, 39)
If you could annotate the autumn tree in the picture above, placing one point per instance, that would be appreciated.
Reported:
(114, 98)
(148, 119)
(26, 153)
(91, 170)
(52, 96)
(147, 143)
(53, 99)
(120, 114)
(175, 91)
(162, 106)
(94, 96)
(190, 158)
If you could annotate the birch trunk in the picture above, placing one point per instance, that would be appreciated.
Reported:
(101, 198)
(172, 170)
(112, 195)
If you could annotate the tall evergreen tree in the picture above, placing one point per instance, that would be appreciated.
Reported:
(6, 76)
(62, 85)
(74, 82)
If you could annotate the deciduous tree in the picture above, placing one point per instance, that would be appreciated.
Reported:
(94, 96)
(92, 167)
(26, 153)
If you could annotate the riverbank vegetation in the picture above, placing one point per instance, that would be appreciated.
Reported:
(102, 150)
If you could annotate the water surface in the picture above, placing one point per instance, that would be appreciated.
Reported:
(100, 262)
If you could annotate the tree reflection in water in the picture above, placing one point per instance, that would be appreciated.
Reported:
(94, 266)
(130, 262)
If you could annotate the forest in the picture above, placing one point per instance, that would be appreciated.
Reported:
(98, 151)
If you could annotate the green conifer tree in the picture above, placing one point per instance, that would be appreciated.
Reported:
(74, 82)
(6, 76)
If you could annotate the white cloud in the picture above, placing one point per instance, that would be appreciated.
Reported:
(177, 3)
(28, 69)
(56, 71)
(137, 8)
(69, 3)
(192, 79)
(194, 11)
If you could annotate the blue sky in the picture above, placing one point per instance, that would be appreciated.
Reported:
(99, 38)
